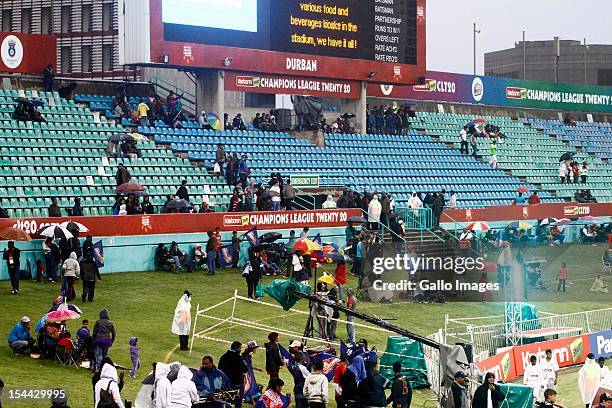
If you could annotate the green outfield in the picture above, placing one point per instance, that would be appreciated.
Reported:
(142, 305)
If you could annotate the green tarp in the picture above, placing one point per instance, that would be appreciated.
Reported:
(410, 353)
(279, 291)
(517, 396)
(529, 319)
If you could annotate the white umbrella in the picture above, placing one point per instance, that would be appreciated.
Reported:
(73, 225)
(548, 221)
(56, 232)
(478, 226)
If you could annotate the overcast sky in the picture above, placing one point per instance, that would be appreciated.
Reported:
(450, 27)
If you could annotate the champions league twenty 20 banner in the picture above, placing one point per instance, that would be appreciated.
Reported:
(495, 91)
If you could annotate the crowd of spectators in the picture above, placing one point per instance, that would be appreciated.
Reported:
(150, 109)
(391, 120)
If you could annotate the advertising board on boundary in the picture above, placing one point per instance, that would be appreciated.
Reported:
(497, 91)
(569, 351)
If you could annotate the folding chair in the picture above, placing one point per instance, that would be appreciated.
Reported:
(65, 357)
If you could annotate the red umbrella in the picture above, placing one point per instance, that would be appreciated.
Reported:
(479, 120)
(522, 190)
(130, 188)
(62, 314)
(15, 234)
(478, 226)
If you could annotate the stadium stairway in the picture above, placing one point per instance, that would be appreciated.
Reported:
(65, 158)
(527, 153)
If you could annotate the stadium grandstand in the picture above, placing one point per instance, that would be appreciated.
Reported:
(202, 170)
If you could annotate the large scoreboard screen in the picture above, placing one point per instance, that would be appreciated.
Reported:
(375, 30)
(365, 40)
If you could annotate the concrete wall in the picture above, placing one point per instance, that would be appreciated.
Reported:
(540, 58)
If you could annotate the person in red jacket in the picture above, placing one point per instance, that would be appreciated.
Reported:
(534, 198)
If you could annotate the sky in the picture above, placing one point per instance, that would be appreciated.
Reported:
(450, 27)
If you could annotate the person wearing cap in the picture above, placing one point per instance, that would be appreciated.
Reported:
(534, 377)
(273, 398)
(251, 389)
(401, 392)
(457, 396)
(181, 324)
(19, 339)
(234, 367)
(488, 395)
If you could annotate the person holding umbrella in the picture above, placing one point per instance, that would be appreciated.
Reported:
(11, 256)
(51, 254)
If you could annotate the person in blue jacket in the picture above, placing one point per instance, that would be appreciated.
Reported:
(210, 379)
(19, 338)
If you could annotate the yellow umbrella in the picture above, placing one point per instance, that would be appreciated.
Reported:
(327, 279)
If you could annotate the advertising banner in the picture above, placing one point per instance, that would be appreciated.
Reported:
(26, 53)
(496, 91)
(568, 351)
(109, 226)
(502, 365)
(527, 212)
(511, 363)
(601, 344)
(287, 84)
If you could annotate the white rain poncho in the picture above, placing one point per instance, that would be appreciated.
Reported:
(182, 316)
(589, 377)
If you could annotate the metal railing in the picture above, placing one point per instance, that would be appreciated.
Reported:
(487, 338)
(416, 218)
(304, 200)
(188, 100)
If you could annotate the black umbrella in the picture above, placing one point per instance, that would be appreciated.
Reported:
(270, 237)
(149, 379)
(24, 101)
(567, 156)
(348, 115)
(66, 90)
(357, 219)
(119, 137)
(261, 247)
(178, 205)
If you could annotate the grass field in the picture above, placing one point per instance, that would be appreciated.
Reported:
(142, 305)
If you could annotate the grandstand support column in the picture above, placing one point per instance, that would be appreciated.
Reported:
(210, 91)
(358, 107)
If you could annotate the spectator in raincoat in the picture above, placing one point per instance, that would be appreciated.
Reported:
(589, 377)
(374, 210)
(162, 387)
(181, 325)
